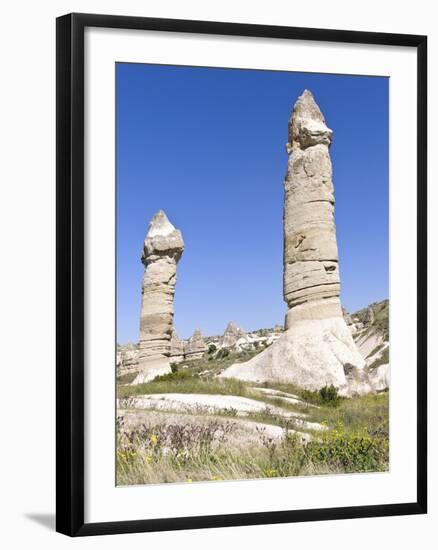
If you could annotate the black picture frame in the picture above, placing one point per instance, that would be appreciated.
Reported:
(70, 273)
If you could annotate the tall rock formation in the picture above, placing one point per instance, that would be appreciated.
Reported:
(316, 348)
(162, 250)
(195, 346)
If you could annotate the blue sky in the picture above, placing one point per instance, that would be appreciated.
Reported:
(208, 147)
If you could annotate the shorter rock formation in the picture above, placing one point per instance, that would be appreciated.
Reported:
(231, 335)
(347, 316)
(195, 346)
(127, 359)
(162, 250)
(176, 348)
(368, 318)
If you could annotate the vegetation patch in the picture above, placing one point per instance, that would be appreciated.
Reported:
(187, 452)
(357, 438)
(127, 378)
(382, 360)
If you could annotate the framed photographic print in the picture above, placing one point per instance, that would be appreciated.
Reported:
(241, 262)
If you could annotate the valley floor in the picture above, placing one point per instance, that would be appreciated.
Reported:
(191, 426)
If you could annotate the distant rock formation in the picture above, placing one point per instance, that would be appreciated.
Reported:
(162, 250)
(127, 359)
(317, 348)
(368, 318)
(231, 335)
(195, 346)
(176, 348)
(347, 316)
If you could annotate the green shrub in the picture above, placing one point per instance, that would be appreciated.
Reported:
(174, 375)
(222, 353)
(211, 349)
(328, 395)
(349, 451)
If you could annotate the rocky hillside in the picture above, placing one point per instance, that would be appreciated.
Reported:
(193, 425)
(370, 328)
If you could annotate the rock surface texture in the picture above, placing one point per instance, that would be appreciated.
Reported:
(195, 346)
(176, 348)
(231, 335)
(127, 359)
(317, 348)
(162, 250)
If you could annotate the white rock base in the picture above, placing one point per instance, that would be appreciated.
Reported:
(310, 354)
(151, 369)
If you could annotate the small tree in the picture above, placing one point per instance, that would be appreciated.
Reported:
(329, 394)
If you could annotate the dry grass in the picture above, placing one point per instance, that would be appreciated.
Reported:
(357, 442)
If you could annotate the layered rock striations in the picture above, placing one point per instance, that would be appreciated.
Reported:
(317, 348)
(311, 274)
(163, 247)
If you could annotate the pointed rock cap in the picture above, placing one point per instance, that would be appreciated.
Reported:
(197, 334)
(160, 225)
(162, 239)
(176, 345)
(196, 343)
(231, 327)
(307, 125)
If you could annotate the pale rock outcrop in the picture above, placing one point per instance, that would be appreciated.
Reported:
(347, 316)
(162, 250)
(127, 359)
(176, 348)
(214, 404)
(367, 341)
(380, 377)
(317, 348)
(231, 335)
(195, 346)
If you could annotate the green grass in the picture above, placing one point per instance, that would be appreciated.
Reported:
(197, 376)
(358, 442)
(189, 384)
(357, 439)
(127, 378)
(368, 412)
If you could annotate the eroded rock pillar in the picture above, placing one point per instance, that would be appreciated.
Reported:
(163, 247)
